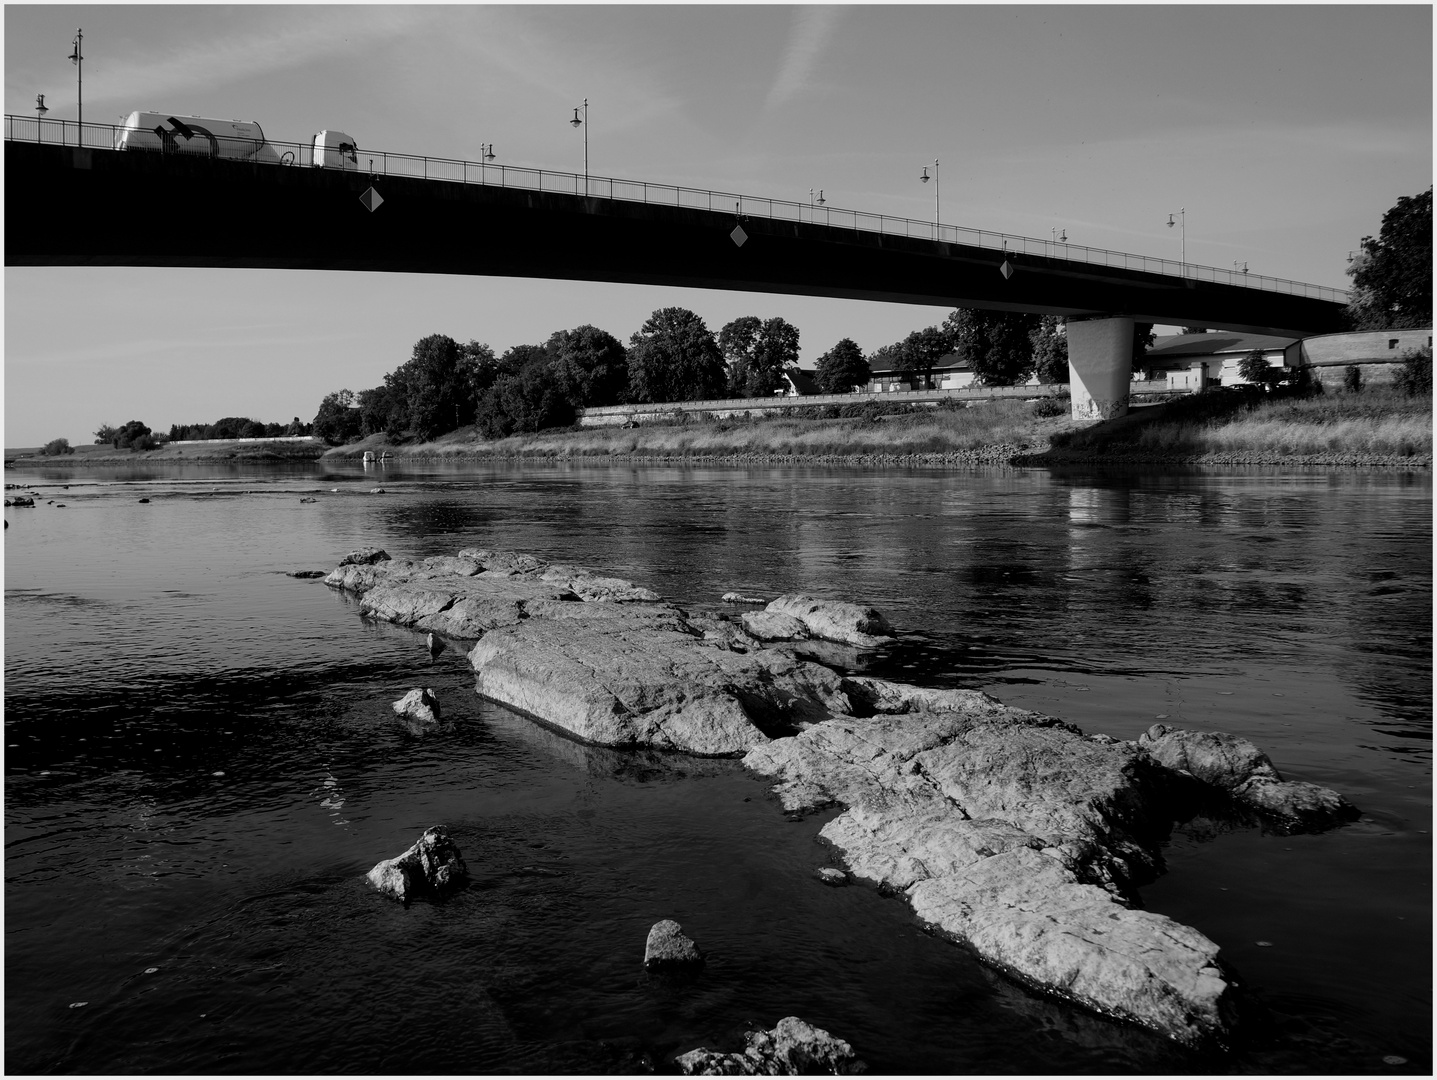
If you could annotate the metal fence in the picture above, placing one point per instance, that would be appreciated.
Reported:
(455, 170)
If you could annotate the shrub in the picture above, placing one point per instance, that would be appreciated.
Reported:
(1047, 407)
(1351, 379)
(55, 447)
(1415, 375)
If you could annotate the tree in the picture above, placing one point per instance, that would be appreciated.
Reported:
(1143, 338)
(106, 434)
(337, 420)
(134, 435)
(56, 447)
(530, 400)
(997, 345)
(378, 412)
(737, 341)
(434, 391)
(758, 352)
(1254, 368)
(842, 368)
(673, 357)
(591, 366)
(1393, 277)
(1050, 350)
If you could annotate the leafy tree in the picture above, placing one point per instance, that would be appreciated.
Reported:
(378, 412)
(887, 357)
(590, 365)
(737, 341)
(673, 357)
(1255, 369)
(106, 434)
(842, 368)
(1415, 375)
(530, 400)
(1393, 278)
(296, 427)
(434, 391)
(56, 447)
(1050, 350)
(996, 344)
(337, 420)
(758, 352)
(1143, 338)
(134, 435)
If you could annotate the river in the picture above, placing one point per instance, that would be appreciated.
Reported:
(202, 763)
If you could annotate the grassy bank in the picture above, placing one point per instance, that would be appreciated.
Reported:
(217, 450)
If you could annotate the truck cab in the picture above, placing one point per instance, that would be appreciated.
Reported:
(336, 150)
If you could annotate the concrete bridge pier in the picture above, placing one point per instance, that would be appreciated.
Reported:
(1100, 367)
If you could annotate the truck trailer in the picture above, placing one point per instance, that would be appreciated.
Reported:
(228, 140)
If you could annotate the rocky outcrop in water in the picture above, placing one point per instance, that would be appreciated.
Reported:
(1009, 831)
(792, 1048)
(429, 870)
(419, 705)
(667, 946)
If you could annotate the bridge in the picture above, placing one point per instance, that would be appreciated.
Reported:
(73, 200)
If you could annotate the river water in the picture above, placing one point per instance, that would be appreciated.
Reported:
(202, 763)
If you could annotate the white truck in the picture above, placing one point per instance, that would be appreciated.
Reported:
(335, 150)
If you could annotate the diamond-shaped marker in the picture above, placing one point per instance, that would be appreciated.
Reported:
(1006, 269)
(371, 199)
(738, 236)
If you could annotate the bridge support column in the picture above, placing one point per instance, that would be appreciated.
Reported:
(1100, 367)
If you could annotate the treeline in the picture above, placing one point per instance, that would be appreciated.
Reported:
(674, 356)
(236, 427)
(446, 385)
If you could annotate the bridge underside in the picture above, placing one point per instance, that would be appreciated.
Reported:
(71, 207)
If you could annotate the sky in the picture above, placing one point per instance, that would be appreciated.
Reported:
(1284, 131)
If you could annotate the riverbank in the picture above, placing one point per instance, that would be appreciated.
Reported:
(1376, 428)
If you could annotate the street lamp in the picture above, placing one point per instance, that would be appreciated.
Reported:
(79, 62)
(585, 121)
(924, 178)
(486, 151)
(1239, 266)
(41, 110)
(1183, 214)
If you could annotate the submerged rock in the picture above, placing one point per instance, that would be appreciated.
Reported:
(668, 946)
(1236, 766)
(831, 620)
(740, 598)
(420, 705)
(792, 1048)
(428, 870)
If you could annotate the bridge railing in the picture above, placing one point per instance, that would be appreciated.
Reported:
(457, 170)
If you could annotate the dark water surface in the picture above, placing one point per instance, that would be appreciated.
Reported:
(202, 763)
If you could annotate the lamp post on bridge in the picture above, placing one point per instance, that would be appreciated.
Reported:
(924, 178)
(79, 62)
(1182, 214)
(585, 122)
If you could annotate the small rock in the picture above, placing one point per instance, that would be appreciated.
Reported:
(435, 644)
(831, 876)
(308, 499)
(432, 867)
(376, 491)
(792, 1048)
(307, 573)
(144, 500)
(365, 556)
(78, 1004)
(419, 705)
(739, 598)
(1394, 1059)
(667, 945)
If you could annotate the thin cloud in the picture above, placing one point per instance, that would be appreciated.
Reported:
(813, 28)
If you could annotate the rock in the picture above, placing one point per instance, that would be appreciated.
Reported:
(376, 491)
(430, 869)
(773, 626)
(667, 946)
(308, 499)
(835, 620)
(434, 644)
(739, 598)
(20, 500)
(306, 573)
(650, 683)
(420, 705)
(365, 556)
(144, 500)
(830, 875)
(1016, 834)
(1234, 765)
(792, 1048)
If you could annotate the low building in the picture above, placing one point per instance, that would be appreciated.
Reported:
(798, 383)
(1196, 361)
(1376, 353)
(949, 373)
